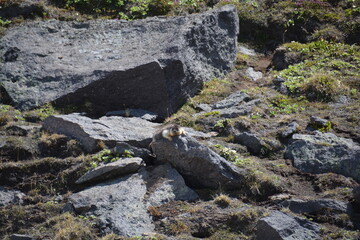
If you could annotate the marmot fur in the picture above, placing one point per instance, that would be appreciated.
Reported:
(168, 132)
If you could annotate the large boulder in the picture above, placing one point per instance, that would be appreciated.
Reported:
(121, 205)
(198, 164)
(153, 64)
(134, 131)
(325, 152)
(282, 226)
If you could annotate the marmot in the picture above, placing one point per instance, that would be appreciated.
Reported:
(168, 132)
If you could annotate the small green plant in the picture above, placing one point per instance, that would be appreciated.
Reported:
(223, 123)
(322, 87)
(323, 128)
(4, 23)
(281, 104)
(212, 113)
(104, 156)
(227, 153)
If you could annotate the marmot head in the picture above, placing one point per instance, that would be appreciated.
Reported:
(175, 130)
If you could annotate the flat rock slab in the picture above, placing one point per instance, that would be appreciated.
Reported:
(154, 64)
(134, 131)
(325, 152)
(198, 164)
(121, 205)
(119, 168)
(282, 226)
(316, 205)
(8, 197)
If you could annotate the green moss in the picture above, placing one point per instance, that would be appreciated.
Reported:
(227, 153)
(322, 87)
(281, 104)
(326, 72)
(40, 113)
(107, 156)
(212, 113)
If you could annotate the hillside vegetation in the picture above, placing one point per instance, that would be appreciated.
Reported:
(308, 52)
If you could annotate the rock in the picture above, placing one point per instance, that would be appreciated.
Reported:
(25, 9)
(8, 197)
(313, 206)
(21, 130)
(121, 167)
(356, 193)
(319, 123)
(240, 110)
(88, 132)
(281, 226)
(254, 144)
(15, 148)
(232, 100)
(246, 51)
(252, 74)
(280, 86)
(104, 64)
(166, 184)
(197, 134)
(123, 148)
(283, 58)
(198, 164)
(325, 152)
(121, 205)
(204, 107)
(118, 205)
(290, 130)
(21, 237)
(139, 113)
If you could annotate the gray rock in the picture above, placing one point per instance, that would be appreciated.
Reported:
(165, 184)
(88, 132)
(121, 167)
(317, 123)
(197, 134)
(204, 107)
(124, 148)
(118, 205)
(240, 110)
(246, 51)
(254, 144)
(139, 113)
(325, 152)
(25, 9)
(252, 74)
(232, 100)
(8, 197)
(282, 58)
(198, 164)
(16, 148)
(313, 206)
(280, 86)
(21, 237)
(109, 63)
(281, 226)
(21, 130)
(291, 129)
(121, 205)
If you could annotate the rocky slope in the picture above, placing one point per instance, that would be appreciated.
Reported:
(271, 151)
